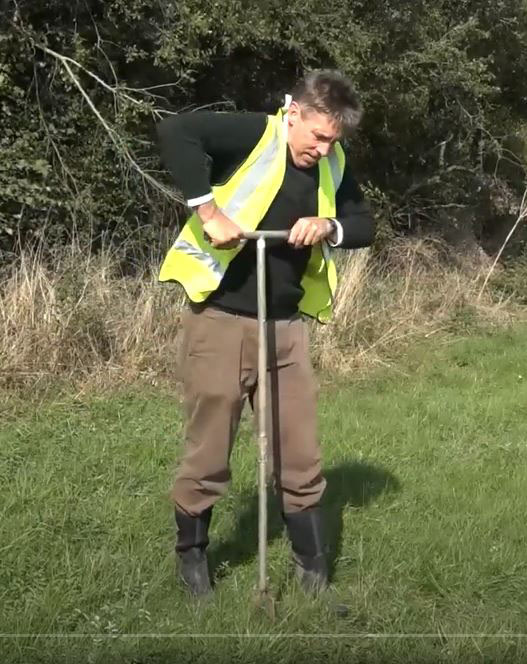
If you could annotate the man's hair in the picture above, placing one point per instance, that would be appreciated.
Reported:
(329, 91)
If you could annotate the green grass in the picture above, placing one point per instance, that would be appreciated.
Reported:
(426, 465)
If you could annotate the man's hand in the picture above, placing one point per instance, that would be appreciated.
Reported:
(221, 231)
(307, 231)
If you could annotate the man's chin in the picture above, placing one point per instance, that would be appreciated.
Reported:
(308, 161)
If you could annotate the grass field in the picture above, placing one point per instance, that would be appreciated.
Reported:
(426, 464)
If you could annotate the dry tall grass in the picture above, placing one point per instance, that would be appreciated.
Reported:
(79, 319)
(415, 289)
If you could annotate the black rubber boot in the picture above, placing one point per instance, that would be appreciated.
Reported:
(309, 549)
(192, 541)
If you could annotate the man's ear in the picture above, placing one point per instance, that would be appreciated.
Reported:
(293, 112)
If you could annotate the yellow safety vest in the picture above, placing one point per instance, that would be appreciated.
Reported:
(245, 198)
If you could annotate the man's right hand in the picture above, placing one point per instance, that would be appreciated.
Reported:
(220, 231)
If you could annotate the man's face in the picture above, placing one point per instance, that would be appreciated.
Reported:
(311, 135)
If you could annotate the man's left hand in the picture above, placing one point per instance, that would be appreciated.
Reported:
(307, 231)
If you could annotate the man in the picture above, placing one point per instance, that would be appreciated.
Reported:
(283, 171)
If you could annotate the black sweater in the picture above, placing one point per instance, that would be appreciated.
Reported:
(204, 148)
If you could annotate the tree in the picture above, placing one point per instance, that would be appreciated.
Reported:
(83, 83)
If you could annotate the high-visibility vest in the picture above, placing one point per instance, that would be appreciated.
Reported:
(245, 198)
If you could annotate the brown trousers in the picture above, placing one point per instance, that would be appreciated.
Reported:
(219, 369)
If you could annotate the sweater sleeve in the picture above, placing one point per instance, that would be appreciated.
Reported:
(195, 145)
(353, 214)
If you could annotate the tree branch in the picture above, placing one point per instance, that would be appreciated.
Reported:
(435, 179)
(521, 217)
(67, 62)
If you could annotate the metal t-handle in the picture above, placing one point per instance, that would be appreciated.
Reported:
(266, 235)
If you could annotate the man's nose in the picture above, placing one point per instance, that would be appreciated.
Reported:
(323, 149)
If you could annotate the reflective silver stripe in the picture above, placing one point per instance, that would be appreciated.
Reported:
(334, 165)
(253, 177)
(202, 256)
(326, 252)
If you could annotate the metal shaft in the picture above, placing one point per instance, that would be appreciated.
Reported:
(262, 414)
(260, 237)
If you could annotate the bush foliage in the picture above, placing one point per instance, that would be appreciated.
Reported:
(442, 146)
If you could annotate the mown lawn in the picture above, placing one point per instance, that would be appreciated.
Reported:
(427, 473)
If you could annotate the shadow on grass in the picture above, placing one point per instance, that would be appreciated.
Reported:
(354, 484)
